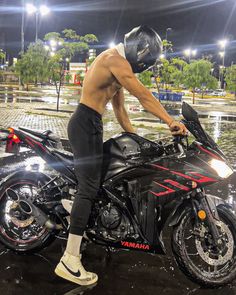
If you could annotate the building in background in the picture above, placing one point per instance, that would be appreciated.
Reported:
(77, 72)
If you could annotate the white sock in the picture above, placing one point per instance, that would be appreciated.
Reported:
(73, 245)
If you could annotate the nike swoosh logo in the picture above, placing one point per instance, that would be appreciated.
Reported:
(76, 274)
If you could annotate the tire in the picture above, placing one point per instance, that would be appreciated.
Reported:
(21, 234)
(212, 277)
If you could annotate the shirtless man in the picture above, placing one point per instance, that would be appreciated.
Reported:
(111, 70)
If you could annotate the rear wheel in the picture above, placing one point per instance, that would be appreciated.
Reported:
(20, 231)
(196, 254)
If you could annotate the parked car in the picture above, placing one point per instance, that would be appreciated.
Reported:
(218, 92)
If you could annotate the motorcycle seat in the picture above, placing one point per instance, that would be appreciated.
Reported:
(47, 134)
(65, 157)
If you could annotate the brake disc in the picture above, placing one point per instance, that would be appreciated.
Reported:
(229, 245)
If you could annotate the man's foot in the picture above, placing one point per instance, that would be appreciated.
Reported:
(70, 268)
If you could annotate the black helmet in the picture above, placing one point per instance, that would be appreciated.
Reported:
(143, 47)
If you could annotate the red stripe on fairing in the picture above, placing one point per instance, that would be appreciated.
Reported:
(201, 180)
(208, 152)
(168, 190)
(177, 184)
(161, 167)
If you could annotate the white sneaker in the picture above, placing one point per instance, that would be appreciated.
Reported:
(70, 268)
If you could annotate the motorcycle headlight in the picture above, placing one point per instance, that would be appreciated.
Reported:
(222, 169)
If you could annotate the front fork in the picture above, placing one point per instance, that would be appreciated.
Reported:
(206, 204)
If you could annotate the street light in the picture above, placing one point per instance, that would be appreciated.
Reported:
(42, 10)
(30, 8)
(221, 53)
(53, 43)
(222, 43)
(112, 44)
(190, 52)
(194, 52)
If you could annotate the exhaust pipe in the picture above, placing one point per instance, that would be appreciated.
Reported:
(25, 207)
(12, 194)
(28, 208)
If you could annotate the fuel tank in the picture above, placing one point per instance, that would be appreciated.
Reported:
(127, 150)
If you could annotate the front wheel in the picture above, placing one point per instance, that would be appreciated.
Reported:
(196, 254)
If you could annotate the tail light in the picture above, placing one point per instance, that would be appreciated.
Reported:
(13, 143)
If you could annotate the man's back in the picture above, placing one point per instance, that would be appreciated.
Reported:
(99, 84)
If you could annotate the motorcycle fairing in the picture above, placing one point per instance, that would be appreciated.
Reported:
(155, 184)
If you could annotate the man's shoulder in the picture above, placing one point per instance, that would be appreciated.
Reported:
(114, 58)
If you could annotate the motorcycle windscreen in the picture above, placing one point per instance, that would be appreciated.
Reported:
(194, 126)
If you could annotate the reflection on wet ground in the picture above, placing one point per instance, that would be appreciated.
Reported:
(119, 273)
(10, 94)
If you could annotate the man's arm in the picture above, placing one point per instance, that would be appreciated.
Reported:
(120, 111)
(122, 70)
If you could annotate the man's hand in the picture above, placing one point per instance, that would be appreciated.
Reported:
(178, 128)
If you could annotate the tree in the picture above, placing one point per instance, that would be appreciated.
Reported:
(166, 70)
(32, 66)
(178, 65)
(65, 46)
(167, 46)
(145, 78)
(2, 55)
(68, 77)
(197, 75)
(230, 79)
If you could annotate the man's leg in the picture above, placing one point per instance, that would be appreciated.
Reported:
(88, 151)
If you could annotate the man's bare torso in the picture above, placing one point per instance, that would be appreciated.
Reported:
(99, 84)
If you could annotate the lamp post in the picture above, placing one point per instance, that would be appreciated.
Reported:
(37, 10)
(222, 43)
(22, 26)
(167, 30)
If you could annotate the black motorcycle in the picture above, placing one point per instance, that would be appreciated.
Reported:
(145, 186)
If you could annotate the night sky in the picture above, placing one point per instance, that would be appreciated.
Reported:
(196, 23)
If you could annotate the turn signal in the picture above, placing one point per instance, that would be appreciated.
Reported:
(201, 214)
(11, 130)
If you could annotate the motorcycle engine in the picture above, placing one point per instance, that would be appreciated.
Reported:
(112, 224)
(110, 217)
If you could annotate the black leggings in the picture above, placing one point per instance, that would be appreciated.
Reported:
(85, 132)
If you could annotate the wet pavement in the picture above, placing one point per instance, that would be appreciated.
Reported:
(124, 272)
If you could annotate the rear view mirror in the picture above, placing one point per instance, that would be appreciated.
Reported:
(189, 113)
